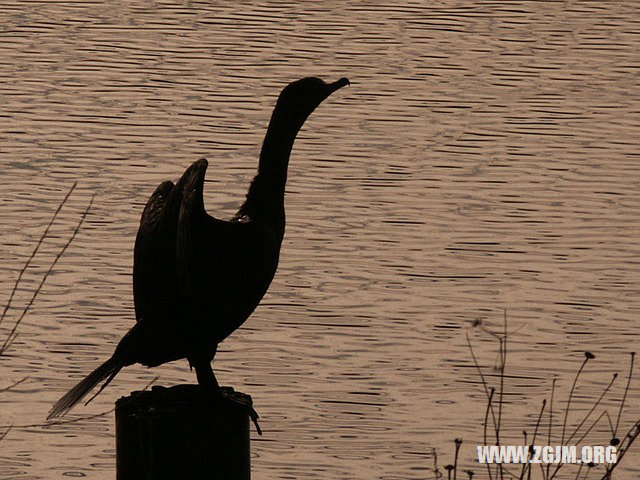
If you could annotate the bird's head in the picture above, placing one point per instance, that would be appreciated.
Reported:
(300, 98)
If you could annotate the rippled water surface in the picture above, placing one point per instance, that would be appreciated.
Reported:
(484, 158)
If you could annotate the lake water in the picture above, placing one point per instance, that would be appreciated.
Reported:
(484, 158)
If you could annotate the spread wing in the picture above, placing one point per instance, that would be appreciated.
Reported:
(162, 281)
(190, 267)
(200, 241)
(153, 258)
(146, 249)
(223, 267)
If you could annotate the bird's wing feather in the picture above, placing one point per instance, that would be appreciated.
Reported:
(153, 265)
(190, 239)
(190, 266)
(146, 249)
(210, 252)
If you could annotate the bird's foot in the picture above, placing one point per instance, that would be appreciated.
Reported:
(230, 396)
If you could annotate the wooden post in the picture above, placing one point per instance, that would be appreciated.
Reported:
(175, 433)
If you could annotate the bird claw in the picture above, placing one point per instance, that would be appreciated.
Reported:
(243, 400)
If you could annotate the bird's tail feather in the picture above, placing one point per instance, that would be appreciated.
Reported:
(107, 371)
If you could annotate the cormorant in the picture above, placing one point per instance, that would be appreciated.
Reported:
(196, 278)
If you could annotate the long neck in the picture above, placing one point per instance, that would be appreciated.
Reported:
(265, 198)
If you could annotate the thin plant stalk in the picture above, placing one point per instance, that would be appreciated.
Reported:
(35, 250)
(533, 440)
(566, 411)
(609, 422)
(503, 362)
(595, 405)
(633, 432)
(553, 391)
(458, 442)
(12, 335)
(484, 383)
(436, 470)
(79, 418)
(624, 397)
(631, 437)
(500, 471)
(486, 421)
(15, 384)
(579, 470)
(500, 399)
(501, 368)
(578, 442)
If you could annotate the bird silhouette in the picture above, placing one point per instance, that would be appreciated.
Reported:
(196, 279)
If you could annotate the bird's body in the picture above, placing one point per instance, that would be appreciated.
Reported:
(196, 279)
(221, 273)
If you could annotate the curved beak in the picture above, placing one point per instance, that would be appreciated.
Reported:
(338, 84)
